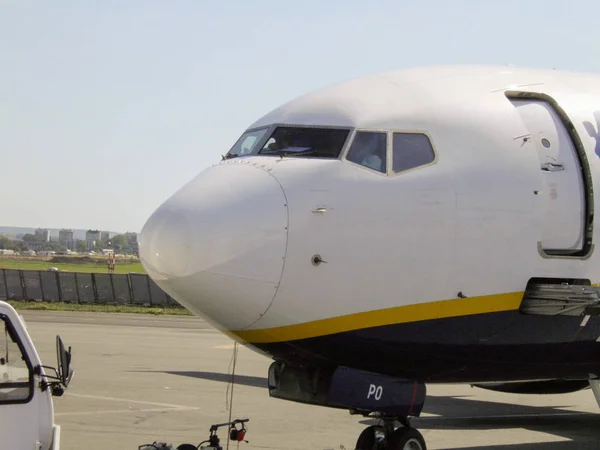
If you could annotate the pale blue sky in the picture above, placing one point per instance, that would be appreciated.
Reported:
(108, 107)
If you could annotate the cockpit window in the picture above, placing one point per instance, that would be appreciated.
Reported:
(411, 150)
(307, 142)
(369, 149)
(246, 143)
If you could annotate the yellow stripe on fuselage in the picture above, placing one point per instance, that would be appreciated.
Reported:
(389, 316)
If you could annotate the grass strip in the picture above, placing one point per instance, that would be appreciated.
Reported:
(52, 306)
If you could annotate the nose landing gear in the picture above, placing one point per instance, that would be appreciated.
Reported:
(387, 437)
(368, 394)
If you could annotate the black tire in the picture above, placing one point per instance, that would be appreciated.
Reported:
(187, 447)
(371, 439)
(406, 438)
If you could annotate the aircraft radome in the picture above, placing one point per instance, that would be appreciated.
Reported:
(428, 225)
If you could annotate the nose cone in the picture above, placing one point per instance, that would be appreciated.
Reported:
(218, 245)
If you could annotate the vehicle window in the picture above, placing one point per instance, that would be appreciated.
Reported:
(369, 149)
(246, 143)
(411, 150)
(15, 377)
(306, 142)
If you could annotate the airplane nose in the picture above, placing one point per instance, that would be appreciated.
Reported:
(167, 246)
(218, 245)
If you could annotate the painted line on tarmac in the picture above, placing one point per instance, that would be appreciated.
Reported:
(122, 411)
(141, 402)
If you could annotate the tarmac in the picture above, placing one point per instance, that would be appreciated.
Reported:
(141, 378)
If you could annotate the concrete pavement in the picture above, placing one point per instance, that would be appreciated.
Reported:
(143, 378)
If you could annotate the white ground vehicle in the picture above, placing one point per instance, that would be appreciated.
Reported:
(26, 390)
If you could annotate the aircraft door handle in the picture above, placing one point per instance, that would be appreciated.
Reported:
(552, 167)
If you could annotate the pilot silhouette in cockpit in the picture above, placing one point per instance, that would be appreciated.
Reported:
(368, 149)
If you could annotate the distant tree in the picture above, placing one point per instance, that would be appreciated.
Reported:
(7, 244)
(102, 244)
(131, 237)
(118, 241)
(81, 246)
(132, 244)
(30, 238)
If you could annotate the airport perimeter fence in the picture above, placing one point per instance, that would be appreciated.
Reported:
(134, 289)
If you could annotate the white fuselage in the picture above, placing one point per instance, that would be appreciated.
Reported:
(457, 236)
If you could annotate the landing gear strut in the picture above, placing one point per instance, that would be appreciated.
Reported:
(388, 437)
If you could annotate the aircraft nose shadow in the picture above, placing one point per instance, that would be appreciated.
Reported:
(582, 431)
(532, 446)
(464, 413)
(243, 380)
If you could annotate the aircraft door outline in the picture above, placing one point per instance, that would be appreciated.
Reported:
(567, 193)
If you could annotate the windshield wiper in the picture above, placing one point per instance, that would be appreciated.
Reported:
(284, 152)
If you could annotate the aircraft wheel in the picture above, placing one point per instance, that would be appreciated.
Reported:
(406, 438)
(372, 438)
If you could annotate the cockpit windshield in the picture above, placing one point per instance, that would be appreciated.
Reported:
(246, 143)
(291, 141)
(305, 141)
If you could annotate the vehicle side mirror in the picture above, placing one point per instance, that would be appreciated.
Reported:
(65, 371)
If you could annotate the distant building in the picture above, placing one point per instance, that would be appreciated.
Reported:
(4, 252)
(92, 237)
(43, 234)
(37, 246)
(66, 238)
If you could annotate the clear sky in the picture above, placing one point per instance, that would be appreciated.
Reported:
(108, 107)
